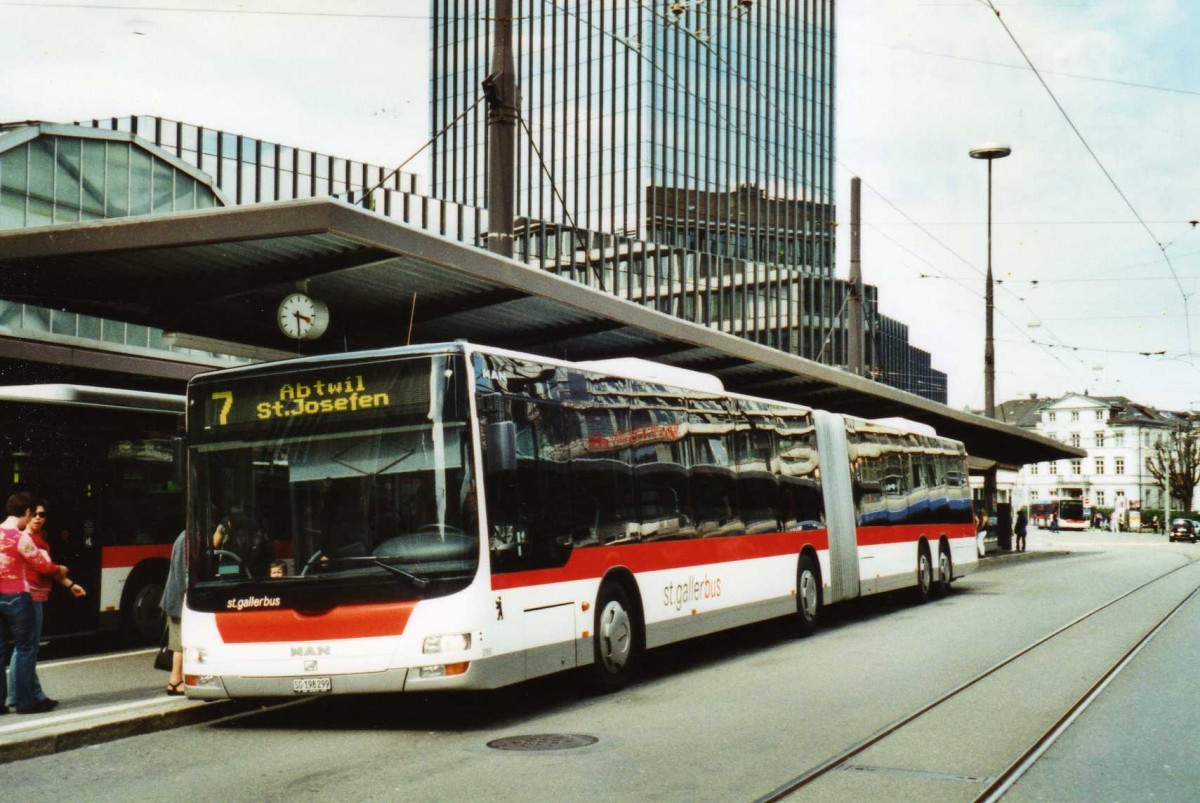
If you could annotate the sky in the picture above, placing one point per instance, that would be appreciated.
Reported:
(1093, 250)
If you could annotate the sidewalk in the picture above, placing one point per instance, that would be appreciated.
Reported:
(103, 697)
(40, 735)
(997, 559)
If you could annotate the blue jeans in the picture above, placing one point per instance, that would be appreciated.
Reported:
(39, 609)
(18, 621)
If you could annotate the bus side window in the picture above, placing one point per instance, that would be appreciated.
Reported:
(602, 475)
(714, 478)
(529, 527)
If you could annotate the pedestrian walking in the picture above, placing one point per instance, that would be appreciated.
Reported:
(981, 528)
(1054, 522)
(38, 585)
(172, 606)
(1019, 528)
(17, 617)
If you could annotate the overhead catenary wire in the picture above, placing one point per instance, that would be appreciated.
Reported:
(1166, 257)
(212, 10)
(1025, 68)
(974, 292)
(708, 44)
(587, 254)
(957, 255)
(369, 191)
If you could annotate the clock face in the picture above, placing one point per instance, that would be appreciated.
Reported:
(302, 317)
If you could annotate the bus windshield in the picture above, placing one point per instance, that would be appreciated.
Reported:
(1071, 509)
(359, 473)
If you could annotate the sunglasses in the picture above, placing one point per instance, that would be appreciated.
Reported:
(41, 514)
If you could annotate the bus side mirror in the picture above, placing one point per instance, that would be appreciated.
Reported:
(501, 447)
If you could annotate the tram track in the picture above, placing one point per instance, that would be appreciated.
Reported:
(994, 786)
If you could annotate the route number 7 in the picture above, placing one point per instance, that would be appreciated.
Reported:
(225, 396)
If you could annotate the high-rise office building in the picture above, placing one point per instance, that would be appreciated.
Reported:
(699, 98)
(678, 154)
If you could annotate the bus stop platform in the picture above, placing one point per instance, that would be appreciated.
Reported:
(114, 695)
(102, 698)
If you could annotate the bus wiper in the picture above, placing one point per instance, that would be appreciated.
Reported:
(419, 582)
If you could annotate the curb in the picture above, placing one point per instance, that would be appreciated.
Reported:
(1006, 559)
(87, 734)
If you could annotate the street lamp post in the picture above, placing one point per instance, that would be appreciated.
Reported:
(990, 152)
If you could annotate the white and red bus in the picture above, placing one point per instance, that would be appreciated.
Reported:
(107, 462)
(456, 516)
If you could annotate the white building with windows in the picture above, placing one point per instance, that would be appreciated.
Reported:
(1118, 435)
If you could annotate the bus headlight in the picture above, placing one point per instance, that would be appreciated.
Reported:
(453, 642)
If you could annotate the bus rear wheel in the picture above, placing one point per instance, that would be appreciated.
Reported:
(617, 642)
(808, 597)
(924, 574)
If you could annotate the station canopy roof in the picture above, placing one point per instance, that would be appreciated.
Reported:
(221, 273)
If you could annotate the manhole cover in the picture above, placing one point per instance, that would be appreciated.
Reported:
(543, 741)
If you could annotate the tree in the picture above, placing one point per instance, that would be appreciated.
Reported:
(1174, 460)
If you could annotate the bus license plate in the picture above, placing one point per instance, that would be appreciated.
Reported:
(311, 685)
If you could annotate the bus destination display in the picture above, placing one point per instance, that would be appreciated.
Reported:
(368, 391)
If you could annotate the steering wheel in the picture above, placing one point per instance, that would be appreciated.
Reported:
(312, 561)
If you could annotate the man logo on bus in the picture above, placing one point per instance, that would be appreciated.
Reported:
(305, 652)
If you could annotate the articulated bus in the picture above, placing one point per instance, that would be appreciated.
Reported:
(108, 462)
(463, 517)
(1071, 514)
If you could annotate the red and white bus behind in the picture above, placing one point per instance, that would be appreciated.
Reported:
(106, 460)
(1068, 514)
(456, 516)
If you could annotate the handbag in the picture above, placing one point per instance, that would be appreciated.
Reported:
(162, 659)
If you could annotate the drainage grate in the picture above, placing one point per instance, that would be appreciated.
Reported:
(543, 741)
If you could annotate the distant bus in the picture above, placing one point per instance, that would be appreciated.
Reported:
(1070, 512)
(456, 516)
(105, 460)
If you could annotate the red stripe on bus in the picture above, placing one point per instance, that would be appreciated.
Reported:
(124, 557)
(592, 562)
(910, 533)
(347, 621)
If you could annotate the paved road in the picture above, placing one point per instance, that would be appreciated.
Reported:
(736, 715)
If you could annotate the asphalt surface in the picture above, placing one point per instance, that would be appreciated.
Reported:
(114, 695)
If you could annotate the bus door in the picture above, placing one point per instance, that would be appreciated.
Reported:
(840, 516)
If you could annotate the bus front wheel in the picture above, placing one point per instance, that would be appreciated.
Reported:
(617, 638)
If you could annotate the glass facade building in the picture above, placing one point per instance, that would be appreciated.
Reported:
(623, 96)
(51, 174)
(679, 155)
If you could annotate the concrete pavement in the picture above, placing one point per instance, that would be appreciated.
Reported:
(101, 698)
(114, 695)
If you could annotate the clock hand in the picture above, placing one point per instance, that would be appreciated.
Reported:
(304, 318)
